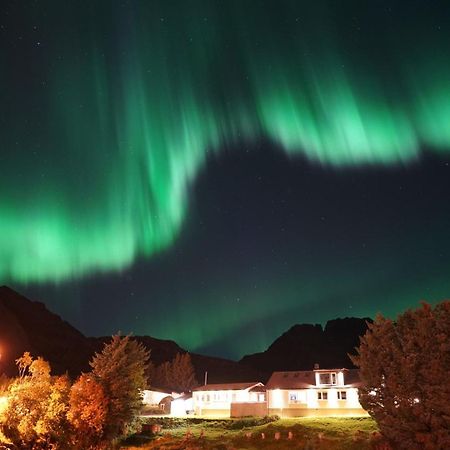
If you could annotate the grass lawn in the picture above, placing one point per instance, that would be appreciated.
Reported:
(223, 434)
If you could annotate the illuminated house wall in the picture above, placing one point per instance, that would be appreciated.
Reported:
(317, 392)
(182, 405)
(314, 393)
(152, 397)
(216, 399)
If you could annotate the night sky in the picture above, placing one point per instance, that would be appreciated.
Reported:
(215, 171)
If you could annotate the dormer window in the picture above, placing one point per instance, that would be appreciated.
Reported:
(327, 378)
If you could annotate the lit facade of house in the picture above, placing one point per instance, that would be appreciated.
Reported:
(182, 405)
(153, 396)
(317, 392)
(231, 399)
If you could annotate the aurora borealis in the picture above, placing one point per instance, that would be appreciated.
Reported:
(114, 114)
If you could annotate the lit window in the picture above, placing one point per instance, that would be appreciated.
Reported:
(342, 395)
(322, 395)
(327, 378)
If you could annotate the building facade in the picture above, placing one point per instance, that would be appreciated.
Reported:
(330, 392)
(230, 399)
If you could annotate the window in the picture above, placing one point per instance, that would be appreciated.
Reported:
(321, 395)
(327, 378)
(297, 397)
(342, 395)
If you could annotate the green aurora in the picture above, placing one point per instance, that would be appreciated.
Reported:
(117, 110)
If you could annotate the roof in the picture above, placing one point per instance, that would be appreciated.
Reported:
(305, 379)
(258, 388)
(155, 389)
(183, 397)
(301, 379)
(228, 386)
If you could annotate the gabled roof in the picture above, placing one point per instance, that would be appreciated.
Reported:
(155, 389)
(228, 386)
(305, 379)
(301, 379)
(183, 397)
(258, 388)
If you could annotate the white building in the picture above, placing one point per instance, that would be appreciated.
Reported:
(153, 396)
(182, 405)
(231, 399)
(319, 392)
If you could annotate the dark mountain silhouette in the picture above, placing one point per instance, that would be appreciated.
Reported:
(27, 325)
(304, 345)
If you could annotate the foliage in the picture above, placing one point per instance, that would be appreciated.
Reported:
(183, 372)
(121, 370)
(178, 374)
(35, 414)
(88, 408)
(162, 377)
(4, 383)
(45, 412)
(404, 366)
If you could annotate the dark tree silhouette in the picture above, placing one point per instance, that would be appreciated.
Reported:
(404, 366)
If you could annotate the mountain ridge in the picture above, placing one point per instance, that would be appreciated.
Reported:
(27, 325)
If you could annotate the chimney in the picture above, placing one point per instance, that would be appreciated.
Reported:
(316, 366)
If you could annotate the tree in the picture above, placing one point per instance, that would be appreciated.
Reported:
(404, 366)
(121, 370)
(35, 415)
(178, 374)
(4, 383)
(163, 376)
(183, 372)
(88, 409)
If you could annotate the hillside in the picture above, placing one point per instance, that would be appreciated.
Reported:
(27, 325)
(304, 345)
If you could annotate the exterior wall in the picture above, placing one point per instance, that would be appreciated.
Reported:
(180, 407)
(218, 403)
(152, 398)
(329, 412)
(305, 402)
(248, 409)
